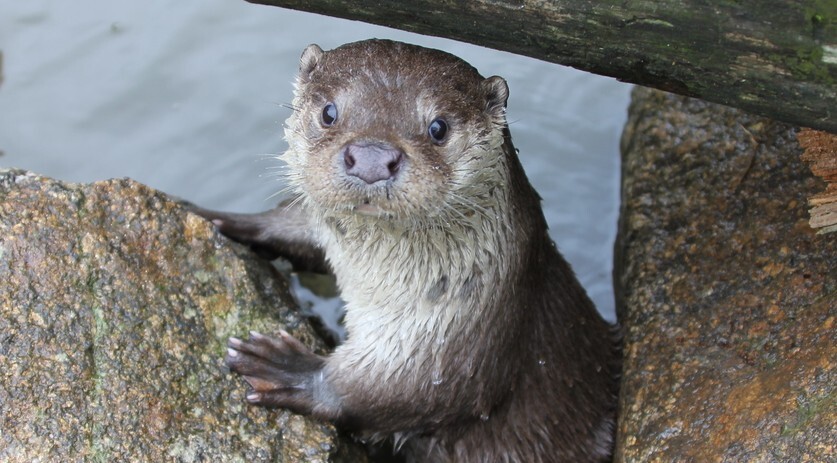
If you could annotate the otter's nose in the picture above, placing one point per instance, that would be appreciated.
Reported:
(372, 162)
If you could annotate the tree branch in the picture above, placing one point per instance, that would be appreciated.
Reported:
(771, 57)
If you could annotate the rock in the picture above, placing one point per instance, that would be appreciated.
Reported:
(727, 296)
(115, 307)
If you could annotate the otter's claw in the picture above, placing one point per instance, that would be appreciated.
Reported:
(278, 370)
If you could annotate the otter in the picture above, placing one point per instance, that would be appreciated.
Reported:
(469, 337)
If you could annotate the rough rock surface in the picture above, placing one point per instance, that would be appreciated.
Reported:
(115, 307)
(727, 296)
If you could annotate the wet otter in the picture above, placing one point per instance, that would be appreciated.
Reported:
(469, 338)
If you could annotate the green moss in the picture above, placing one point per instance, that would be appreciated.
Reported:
(807, 64)
(100, 327)
(822, 15)
(818, 20)
(91, 281)
(193, 383)
(826, 7)
(98, 452)
(203, 276)
(808, 411)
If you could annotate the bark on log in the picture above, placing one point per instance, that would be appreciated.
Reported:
(770, 57)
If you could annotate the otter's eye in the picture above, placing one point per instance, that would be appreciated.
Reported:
(329, 114)
(437, 130)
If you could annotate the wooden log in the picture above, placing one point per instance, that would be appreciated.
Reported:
(770, 57)
(821, 154)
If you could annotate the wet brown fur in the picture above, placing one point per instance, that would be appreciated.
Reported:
(470, 339)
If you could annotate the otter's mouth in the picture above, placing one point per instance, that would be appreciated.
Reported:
(368, 209)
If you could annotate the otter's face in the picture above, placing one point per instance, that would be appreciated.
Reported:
(395, 132)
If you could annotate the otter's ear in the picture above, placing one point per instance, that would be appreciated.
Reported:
(310, 57)
(496, 92)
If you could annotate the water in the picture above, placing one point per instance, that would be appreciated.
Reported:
(187, 98)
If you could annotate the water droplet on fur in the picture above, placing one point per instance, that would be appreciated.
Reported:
(436, 379)
(484, 417)
(541, 362)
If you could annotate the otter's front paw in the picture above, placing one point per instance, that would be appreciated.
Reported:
(247, 229)
(281, 371)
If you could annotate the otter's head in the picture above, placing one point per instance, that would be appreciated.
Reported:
(396, 132)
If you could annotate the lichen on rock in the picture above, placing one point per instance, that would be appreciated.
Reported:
(115, 307)
(728, 297)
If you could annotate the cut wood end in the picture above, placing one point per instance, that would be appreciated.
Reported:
(829, 229)
(820, 152)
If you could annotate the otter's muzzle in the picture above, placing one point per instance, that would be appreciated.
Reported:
(372, 161)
